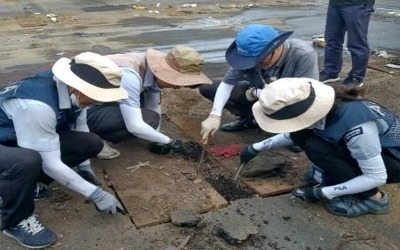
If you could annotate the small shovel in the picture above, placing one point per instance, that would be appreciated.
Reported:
(203, 142)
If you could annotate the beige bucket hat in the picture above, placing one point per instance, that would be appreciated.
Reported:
(182, 66)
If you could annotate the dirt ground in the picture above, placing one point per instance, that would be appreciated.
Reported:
(173, 181)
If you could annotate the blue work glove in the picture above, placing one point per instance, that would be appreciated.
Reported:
(175, 145)
(247, 154)
(106, 202)
(312, 194)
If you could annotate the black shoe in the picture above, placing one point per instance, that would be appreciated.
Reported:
(295, 149)
(325, 78)
(242, 123)
(353, 82)
(88, 176)
(159, 148)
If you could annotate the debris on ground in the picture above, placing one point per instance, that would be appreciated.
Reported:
(181, 246)
(184, 218)
(235, 231)
(273, 166)
(225, 151)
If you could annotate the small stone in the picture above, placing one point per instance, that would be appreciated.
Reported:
(185, 218)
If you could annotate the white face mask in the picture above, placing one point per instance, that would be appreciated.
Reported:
(319, 124)
(74, 99)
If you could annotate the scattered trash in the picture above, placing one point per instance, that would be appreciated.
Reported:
(139, 165)
(154, 11)
(189, 5)
(52, 17)
(138, 7)
(318, 40)
(393, 66)
(382, 53)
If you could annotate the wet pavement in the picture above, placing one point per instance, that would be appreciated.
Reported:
(99, 26)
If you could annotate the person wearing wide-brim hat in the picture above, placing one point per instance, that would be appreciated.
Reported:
(353, 143)
(144, 74)
(43, 136)
(259, 55)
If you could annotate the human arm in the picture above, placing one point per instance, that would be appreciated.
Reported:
(210, 125)
(364, 145)
(134, 123)
(276, 141)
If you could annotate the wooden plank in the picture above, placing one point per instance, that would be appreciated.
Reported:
(166, 183)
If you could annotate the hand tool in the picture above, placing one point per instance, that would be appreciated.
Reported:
(203, 142)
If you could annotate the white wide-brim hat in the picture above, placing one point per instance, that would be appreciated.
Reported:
(93, 75)
(292, 104)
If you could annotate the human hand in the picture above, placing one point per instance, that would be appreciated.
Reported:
(312, 194)
(175, 145)
(209, 126)
(251, 94)
(247, 153)
(105, 202)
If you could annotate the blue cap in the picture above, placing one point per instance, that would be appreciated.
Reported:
(253, 43)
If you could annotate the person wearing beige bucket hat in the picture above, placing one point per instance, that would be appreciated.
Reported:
(43, 129)
(144, 74)
(353, 143)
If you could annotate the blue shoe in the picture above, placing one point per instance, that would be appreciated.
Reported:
(41, 191)
(31, 234)
(326, 78)
(353, 206)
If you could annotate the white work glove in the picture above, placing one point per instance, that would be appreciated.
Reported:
(209, 126)
(251, 94)
(106, 202)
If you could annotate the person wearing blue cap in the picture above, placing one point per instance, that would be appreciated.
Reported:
(260, 54)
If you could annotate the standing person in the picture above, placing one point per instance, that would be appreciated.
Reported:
(259, 55)
(42, 113)
(355, 142)
(144, 74)
(351, 16)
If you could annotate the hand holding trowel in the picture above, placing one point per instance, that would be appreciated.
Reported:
(246, 154)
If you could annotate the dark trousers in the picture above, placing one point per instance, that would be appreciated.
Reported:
(106, 120)
(76, 147)
(19, 171)
(353, 19)
(237, 103)
(336, 160)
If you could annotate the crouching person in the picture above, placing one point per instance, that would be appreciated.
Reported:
(42, 113)
(354, 142)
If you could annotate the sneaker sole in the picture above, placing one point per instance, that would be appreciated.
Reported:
(25, 245)
(108, 157)
(353, 216)
(331, 80)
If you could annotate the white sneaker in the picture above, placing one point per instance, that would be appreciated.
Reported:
(108, 153)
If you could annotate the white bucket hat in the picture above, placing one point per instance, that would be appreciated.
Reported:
(93, 75)
(292, 104)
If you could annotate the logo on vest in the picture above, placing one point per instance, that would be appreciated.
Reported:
(353, 133)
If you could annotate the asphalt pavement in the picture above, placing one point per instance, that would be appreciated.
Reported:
(280, 222)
